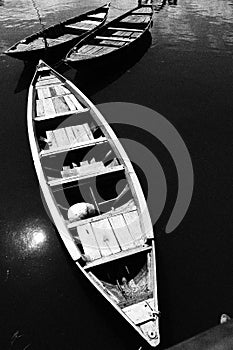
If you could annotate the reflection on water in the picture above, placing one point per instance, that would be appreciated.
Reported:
(30, 237)
(197, 24)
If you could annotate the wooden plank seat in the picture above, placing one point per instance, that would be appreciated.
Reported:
(126, 29)
(72, 146)
(44, 117)
(48, 80)
(113, 38)
(59, 39)
(120, 255)
(86, 25)
(97, 15)
(86, 176)
(112, 44)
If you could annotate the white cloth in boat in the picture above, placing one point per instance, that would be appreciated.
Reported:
(81, 211)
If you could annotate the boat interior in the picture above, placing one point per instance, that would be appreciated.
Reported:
(127, 280)
(117, 34)
(61, 32)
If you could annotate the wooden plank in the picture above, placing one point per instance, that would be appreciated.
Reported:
(83, 175)
(122, 33)
(45, 77)
(48, 82)
(80, 133)
(139, 313)
(105, 50)
(126, 29)
(100, 15)
(61, 137)
(90, 21)
(85, 48)
(51, 138)
(52, 91)
(105, 237)
(60, 114)
(122, 233)
(135, 35)
(113, 38)
(44, 92)
(114, 44)
(120, 255)
(59, 90)
(88, 131)
(40, 94)
(70, 103)
(48, 107)
(40, 108)
(77, 145)
(94, 50)
(89, 242)
(70, 135)
(88, 49)
(132, 221)
(76, 102)
(60, 104)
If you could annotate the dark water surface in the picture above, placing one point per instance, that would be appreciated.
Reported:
(185, 73)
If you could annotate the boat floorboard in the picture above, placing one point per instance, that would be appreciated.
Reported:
(100, 217)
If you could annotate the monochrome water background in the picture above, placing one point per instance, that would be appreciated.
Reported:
(184, 72)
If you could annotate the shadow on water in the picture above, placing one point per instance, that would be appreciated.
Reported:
(25, 77)
(93, 78)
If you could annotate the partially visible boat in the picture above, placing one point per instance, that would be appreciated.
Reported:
(114, 38)
(94, 198)
(60, 37)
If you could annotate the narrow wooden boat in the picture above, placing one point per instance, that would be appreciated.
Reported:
(94, 198)
(113, 38)
(57, 38)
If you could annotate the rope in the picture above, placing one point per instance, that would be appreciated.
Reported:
(40, 20)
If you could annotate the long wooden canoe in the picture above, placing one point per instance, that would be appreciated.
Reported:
(54, 40)
(113, 38)
(80, 163)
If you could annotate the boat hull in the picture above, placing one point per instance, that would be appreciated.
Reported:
(55, 51)
(123, 55)
(115, 248)
(120, 53)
